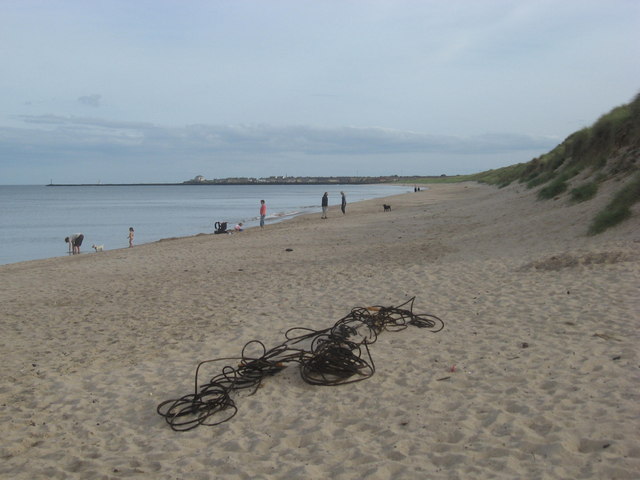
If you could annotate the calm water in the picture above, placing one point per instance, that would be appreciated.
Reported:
(34, 220)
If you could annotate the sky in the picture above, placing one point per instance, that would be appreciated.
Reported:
(127, 91)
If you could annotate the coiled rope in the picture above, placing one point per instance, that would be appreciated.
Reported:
(334, 356)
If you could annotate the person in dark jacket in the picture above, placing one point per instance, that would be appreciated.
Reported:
(74, 241)
(343, 206)
(325, 204)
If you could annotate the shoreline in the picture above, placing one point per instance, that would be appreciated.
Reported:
(41, 243)
(533, 376)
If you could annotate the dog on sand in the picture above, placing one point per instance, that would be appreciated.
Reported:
(98, 248)
(387, 208)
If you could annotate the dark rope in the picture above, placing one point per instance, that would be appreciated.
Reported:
(334, 356)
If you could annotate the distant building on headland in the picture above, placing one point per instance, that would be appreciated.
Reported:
(284, 180)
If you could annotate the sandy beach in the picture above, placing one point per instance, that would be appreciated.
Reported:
(535, 375)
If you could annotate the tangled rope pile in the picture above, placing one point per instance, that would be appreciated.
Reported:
(334, 356)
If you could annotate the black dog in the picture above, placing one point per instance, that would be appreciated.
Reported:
(387, 208)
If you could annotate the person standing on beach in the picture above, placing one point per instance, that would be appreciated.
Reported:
(325, 204)
(74, 242)
(263, 212)
(131, 234)
(343, 206)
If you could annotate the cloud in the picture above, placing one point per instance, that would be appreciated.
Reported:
(77, 149)
(90, 100)
(81, 132)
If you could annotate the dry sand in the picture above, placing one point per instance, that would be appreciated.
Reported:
(541, 323)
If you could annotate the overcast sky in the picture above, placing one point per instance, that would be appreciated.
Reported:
(164, 90)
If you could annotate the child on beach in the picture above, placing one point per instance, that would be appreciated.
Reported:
(263, 212)
(131, 234)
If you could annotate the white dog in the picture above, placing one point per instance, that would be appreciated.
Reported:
(98, 248)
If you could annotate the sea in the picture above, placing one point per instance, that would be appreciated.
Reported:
(35, 219)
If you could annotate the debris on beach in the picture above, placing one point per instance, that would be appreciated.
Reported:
(334, 356)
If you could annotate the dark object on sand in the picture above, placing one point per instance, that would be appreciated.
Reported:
(221, 227)
(387, 208)
(334, 356)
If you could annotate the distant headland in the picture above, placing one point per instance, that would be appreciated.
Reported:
(274, 180)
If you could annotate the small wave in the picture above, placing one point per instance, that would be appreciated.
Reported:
(284, 214)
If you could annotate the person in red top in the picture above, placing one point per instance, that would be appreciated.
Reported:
(263, 212)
